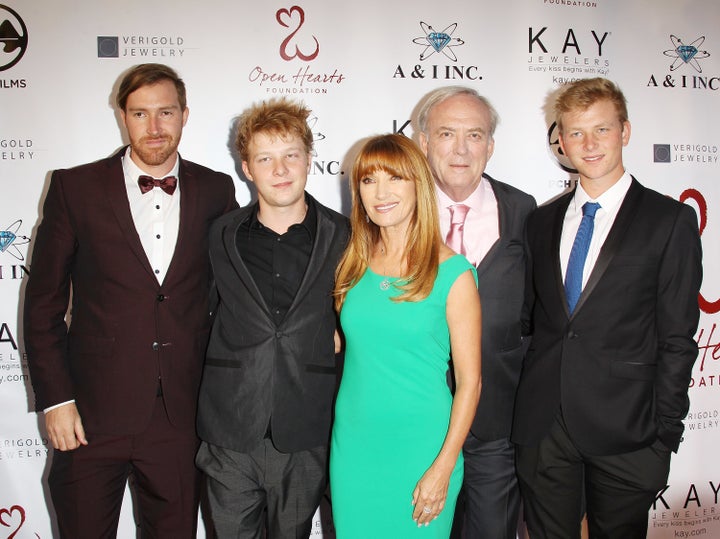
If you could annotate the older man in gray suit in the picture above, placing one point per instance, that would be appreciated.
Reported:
(483, 219)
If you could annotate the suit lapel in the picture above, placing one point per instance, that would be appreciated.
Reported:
(321, 247)
(230, 246)
(189, 200)
(117, 198)
(557, 227)
(619, 228)
(504, 215)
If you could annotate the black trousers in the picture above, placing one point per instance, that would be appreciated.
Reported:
(489, 502)
(249, 492)
(559, 483)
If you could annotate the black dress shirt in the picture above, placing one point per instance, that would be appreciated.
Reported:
(277, 262)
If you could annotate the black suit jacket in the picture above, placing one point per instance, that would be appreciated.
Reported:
(501, 280)
(127, 330)
(259, 373)
(620, 366)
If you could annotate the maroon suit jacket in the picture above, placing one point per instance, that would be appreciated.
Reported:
(126, 330)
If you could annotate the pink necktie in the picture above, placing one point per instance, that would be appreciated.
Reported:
(458, 213)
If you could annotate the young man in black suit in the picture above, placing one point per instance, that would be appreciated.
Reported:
(612, 305)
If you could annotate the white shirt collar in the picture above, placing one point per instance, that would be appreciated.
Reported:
(608, 200)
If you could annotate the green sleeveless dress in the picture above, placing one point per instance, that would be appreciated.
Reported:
(393, 408)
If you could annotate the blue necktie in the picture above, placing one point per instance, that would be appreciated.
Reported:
(578, 254)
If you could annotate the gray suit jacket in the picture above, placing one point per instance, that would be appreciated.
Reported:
(258, 373)
(501, 280)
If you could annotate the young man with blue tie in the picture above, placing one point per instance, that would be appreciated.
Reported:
(612, 307)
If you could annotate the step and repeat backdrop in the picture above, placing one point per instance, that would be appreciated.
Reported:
(361, 67)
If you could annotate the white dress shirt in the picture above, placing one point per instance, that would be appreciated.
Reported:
(156, 216)
(482, 224)
(610, 202)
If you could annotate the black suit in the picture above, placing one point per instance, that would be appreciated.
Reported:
(612, 378)
(490, 500)
(265, 380)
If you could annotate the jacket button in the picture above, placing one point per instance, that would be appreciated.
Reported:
(161, 297)
(572, 335)
(155, 346)
(278, 334)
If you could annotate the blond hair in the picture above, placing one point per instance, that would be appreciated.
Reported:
(399, 156)
(582, 94)
(276, 118)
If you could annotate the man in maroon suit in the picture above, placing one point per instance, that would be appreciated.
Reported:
(119, 385)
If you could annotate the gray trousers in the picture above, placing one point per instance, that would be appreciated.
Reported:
(263, 489)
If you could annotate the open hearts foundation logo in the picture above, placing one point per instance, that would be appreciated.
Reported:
(294, 19)
(13, 519)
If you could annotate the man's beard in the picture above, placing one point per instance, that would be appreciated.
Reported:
(155, 157)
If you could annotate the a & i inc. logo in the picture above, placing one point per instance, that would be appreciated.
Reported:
(686, 54)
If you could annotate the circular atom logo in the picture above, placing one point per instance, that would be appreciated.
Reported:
(13, 38)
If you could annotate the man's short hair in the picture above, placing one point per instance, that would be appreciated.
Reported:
(583, 93)
(147, 75)
(275, 117)
(441, 94)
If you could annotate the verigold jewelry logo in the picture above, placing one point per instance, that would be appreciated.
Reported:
(13, 38)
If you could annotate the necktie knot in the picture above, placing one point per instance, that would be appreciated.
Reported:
(454, 240)
(589, 209)
(147, 183)
(458, 213)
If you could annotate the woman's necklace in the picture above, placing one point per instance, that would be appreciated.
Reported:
(385, 283)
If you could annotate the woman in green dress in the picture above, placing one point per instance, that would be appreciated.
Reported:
(406, 302)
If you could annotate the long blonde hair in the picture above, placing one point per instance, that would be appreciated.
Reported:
(399, 156)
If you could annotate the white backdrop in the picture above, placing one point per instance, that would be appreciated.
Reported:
(361, 67)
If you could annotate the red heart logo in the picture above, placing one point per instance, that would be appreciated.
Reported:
(282, 14)
(11, 519)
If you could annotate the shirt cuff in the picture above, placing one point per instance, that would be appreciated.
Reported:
(46, 410)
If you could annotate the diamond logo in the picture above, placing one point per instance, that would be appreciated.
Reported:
(686, 54)
(9, 240)
(440, 42)
(6, 239)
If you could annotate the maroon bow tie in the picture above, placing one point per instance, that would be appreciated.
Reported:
(167, 184)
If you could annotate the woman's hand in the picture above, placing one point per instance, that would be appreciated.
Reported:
(430, 494)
